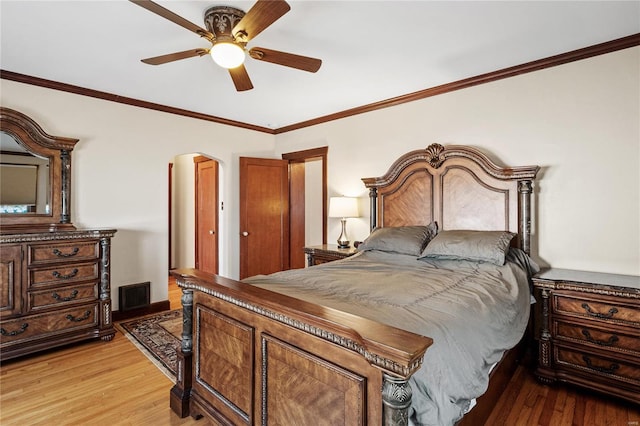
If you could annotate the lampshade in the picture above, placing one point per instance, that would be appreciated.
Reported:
(343, 207)
(227, 55)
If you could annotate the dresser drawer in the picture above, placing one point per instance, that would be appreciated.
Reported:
(586, 362)
(63, 274)
(60, 296)
(597, 309)
(58, 322)
(625, 342)
(69, 251)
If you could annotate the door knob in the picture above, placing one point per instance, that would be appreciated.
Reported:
(211, 232)
(245, 234)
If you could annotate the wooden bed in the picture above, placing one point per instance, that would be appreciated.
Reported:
(252, 356)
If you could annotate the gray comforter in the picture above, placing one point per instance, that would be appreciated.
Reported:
(473, 311)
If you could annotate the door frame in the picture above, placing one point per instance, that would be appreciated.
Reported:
(170, 216)
(306, 155)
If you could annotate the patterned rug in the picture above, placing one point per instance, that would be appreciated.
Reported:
(158, 336)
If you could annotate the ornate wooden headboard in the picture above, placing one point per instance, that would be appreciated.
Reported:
(456, 186)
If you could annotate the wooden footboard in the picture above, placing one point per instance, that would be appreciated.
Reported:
(251, 356)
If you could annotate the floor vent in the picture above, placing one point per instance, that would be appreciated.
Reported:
(134, 296)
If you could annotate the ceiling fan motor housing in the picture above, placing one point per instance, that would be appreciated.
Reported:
(220, 20)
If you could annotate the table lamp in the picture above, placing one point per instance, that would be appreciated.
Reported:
(343, 207)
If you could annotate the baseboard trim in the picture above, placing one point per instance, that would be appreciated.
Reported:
(153, 308)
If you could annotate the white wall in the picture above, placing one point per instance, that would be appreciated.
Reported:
(119, 173)
(184, 224)
(313, 202)
(580, 122)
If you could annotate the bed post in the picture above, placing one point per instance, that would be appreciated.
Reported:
(373, 208)
(396, 399)
(181, 391)
(524, 191)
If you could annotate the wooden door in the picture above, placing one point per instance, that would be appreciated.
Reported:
(206, 207)
(264, 216)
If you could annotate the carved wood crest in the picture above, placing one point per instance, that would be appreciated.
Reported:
(435, 155)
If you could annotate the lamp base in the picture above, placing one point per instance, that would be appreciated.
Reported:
(343, 240)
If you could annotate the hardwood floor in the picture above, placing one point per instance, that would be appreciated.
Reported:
(526, 402)
(113, 383)
(95, 383)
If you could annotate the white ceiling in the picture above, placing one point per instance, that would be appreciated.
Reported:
(371, 50)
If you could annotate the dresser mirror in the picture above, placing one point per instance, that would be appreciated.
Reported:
(35, 176)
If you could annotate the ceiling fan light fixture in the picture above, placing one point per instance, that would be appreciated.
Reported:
(227, 54)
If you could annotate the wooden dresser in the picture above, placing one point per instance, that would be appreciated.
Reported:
(55, 289)
(589, 330)
(55, 283)
(327, 253)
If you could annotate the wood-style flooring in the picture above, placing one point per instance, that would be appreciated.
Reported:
(113, 383)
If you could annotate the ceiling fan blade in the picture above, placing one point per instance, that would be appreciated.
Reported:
(163, 59)
(259, 17)
(240, 78)
(304, 63)
(177, 19)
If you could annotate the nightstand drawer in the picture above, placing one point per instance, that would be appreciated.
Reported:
(597, 365)
(597, 309)
(625, 342)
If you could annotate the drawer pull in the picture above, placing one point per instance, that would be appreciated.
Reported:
(86, 315)
(608, 370)
(59, 298)
(595, 314)
(609, 342)
(73, 273)
(61, 254)
(23, 328)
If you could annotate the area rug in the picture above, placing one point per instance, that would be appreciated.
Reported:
(158, 336)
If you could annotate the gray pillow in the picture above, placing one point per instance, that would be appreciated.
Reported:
(400, 239)
(481, 246)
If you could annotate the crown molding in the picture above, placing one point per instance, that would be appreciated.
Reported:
(64, 87)
(552, 61)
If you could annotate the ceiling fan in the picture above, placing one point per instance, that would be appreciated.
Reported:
(229, 30)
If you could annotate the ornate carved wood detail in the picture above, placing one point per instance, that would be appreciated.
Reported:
(187, 320)
(435, 157)
(20, 125)
(58, 151)
(545, 333)
(79, 234)
(379, 361)
(602, 289)
(500, 193)
(525, 189)
(396, 400)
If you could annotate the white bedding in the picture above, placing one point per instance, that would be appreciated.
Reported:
(473, 311)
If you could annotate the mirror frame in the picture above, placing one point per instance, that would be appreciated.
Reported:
(58, 150)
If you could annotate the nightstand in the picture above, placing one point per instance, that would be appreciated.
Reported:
(327, 253)
(589, 330)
